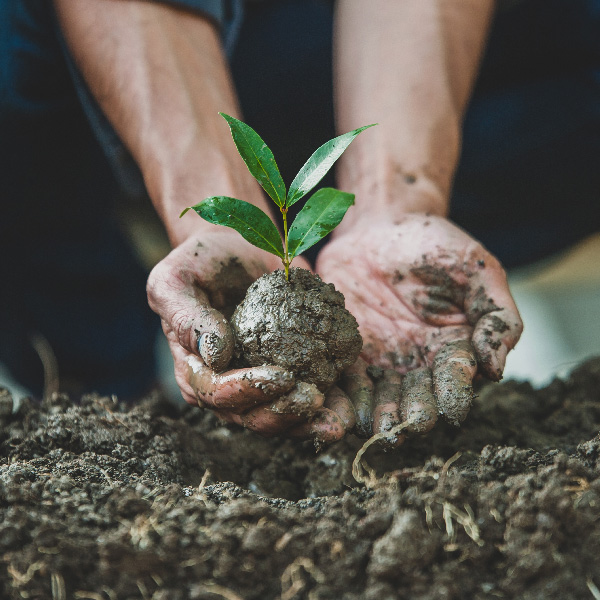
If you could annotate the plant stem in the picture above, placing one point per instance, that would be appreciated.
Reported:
(286, 260)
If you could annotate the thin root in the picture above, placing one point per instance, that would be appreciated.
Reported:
(466, 519)
(202, 485)
(20, 579)
(292, 578)
(358, 466)
(219, 590)
(57, 587)
(449, 463)
(49, 362)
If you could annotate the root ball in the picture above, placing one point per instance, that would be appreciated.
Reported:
(300, 324)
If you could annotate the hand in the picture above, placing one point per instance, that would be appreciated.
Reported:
(433, 305)
(193, 290)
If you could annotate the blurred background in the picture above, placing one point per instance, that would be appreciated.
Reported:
(559, 300)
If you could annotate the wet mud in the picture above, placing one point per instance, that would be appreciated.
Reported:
(103, 501)
(300, 324)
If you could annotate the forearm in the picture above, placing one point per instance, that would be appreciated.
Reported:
(160, 76)
(408, 65)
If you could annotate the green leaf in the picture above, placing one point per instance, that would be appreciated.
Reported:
(258, 158)
(319, 163)
(247, 219)
(320, 215)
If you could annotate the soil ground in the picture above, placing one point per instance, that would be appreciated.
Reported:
(103, 501)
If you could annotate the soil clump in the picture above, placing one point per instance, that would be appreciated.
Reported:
(103, 501)
(300, 324)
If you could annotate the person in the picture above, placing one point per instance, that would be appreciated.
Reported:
(432, 303)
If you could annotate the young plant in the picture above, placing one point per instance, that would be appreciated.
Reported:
(319, 216)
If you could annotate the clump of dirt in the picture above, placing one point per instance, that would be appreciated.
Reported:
(100, 500)
(300, 324)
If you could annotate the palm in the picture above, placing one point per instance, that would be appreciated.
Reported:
(422, 287)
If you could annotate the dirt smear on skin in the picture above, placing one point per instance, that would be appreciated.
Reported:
(228, 286)
(102, 501)
(443, 294)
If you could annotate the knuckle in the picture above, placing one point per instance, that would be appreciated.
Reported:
(153, 290)
(156, 281)
(162, 287)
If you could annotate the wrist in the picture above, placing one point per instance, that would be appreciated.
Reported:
(394, 176)
(391, 194)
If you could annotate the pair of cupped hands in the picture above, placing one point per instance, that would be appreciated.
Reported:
(433, 308)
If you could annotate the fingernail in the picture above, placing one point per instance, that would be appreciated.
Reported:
(201, 344)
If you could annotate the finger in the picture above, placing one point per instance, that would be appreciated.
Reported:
(386, 406)
(324, 428)
(295, 407)
(418, 405)
(359, 387)
(185, 310)
(495, 318)
(240, 389)
(302, 401)
(339, 403)
(330, 423)
(454, 367)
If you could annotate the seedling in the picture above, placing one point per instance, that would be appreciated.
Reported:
(322, 213)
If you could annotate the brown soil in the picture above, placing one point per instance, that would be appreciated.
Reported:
(103, 502)
(300, 324)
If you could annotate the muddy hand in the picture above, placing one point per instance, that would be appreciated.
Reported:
(303, 413)
(194, 289)
(433, 305)
(268, 401)
(331, 422)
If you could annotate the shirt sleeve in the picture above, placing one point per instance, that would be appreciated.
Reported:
(218, 10)
(227, 14)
